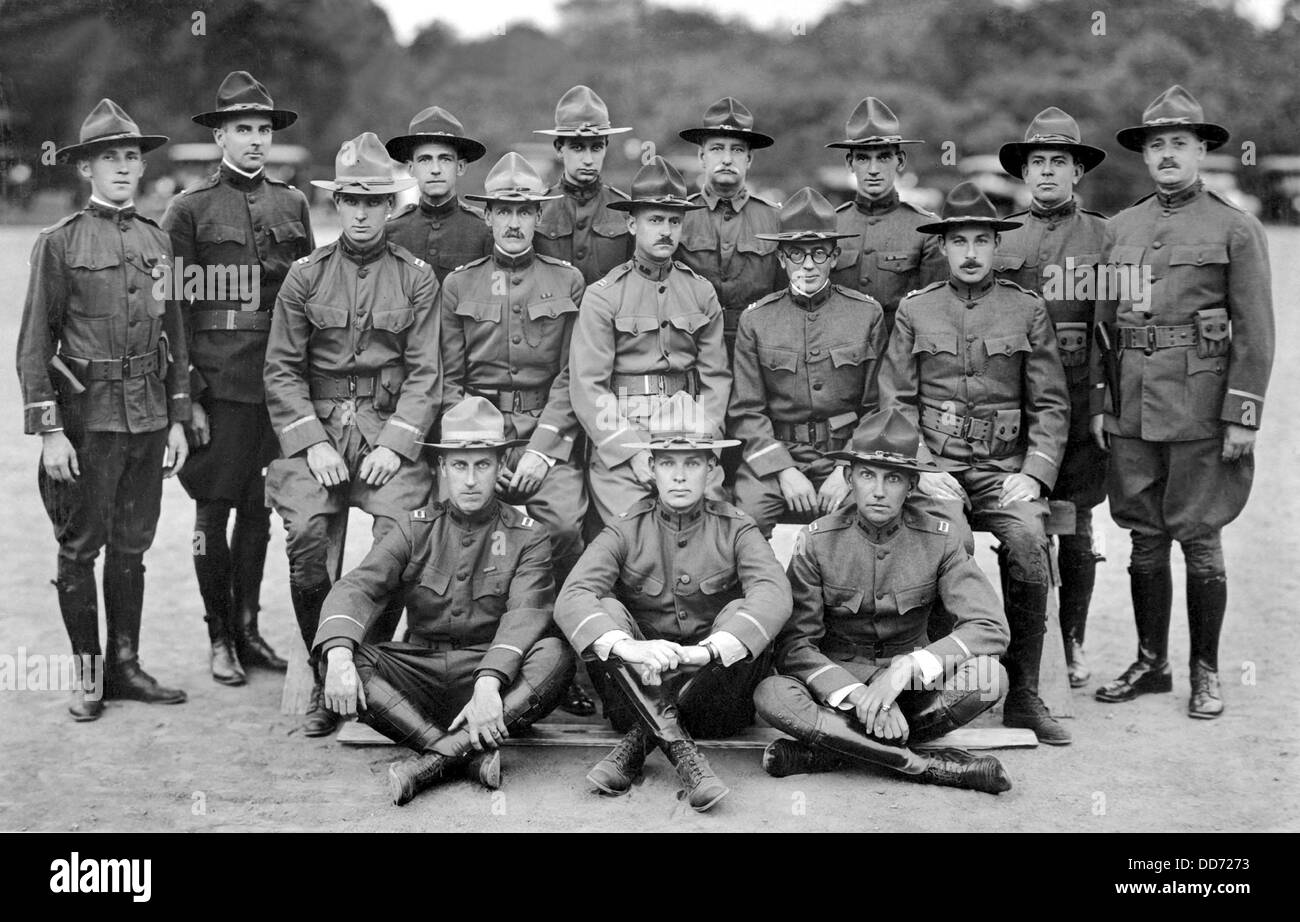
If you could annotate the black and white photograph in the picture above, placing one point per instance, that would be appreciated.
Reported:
(652, 416)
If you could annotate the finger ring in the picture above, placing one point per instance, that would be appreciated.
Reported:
(885, 707)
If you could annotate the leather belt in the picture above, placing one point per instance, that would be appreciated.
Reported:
(970, 428)
(440, 644)
(1151, 338)
(230, 320)
(128, 366)
(343, 386)
(817, 432)
(661, 385)
(878, 649)
(518, 401)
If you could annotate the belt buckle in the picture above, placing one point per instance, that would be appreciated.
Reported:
(662, 381)
(1152, 343)
(231, 317)
(126, 366)
(352, 385)
(516, 402)
(964, 428)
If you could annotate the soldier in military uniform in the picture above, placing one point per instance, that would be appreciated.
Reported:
(102, 367)
(677, 600)
(647, 330)
(479, 662)
(884, 258)
(860, 680)
(1190, 363)
(352, 383)
(1055, 252)
(974, 360)
(440, 228)
(578, 227)
(238, 217)
(804, 371)
(724, 239)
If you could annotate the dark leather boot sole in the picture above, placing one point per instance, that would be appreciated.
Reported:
(1152, 683)
(609, 781)
(316, 725)
(712, 801)
(85, 713)
(485, 768)
(1048, 730)
(144, 695)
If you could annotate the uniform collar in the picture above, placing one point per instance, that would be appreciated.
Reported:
(507, 261)
(363, 257)
(813, 301)
(1182, 196)
(444, 210)
(107, 210)
(679, 521)
(971, 292)
(883, 205)
(580, 193)
(239, 179)
(882, 534)
(648, 268)
(1063, 210)
(474, 519)
(735, 203)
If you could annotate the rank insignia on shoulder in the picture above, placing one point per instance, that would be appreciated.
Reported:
(943, 527)
(812, 527)
(419, 515)
(526, 522)
(303, 260)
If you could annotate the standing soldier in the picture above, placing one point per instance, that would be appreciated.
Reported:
(577, 226)
(1194, 354)
(888, 259)
(352, 383)
(1055, 252)
(506, 324)
(238, 220)
(440, 228)
(974, 361)
(803, 373)
(723, 240)
(102, 366)
(649, 329)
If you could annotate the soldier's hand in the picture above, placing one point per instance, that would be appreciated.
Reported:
(1096, 426)
(344, 694)
(529, 474)
(199, 432)
(59, 458)
(875, 704)
(178, 449)
(798, 492)
(833, 490)
(640, 463)
(653, 656)
(1238, 442)
(379, 466)
(484, 716)
(940, 485)
(1019, 488)
(326, 464)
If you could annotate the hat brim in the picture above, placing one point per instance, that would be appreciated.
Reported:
(517, 198)
(942, 227)
(683, 444)
(882, 460)
(367, 187)
(147, 143)
(856, 143)
(671, 203)
(1214, 136)
(472, 444)
(579, 132)
(280, 118)
(402, 147)
(1012, 155)
(805, 236)
(756, 139)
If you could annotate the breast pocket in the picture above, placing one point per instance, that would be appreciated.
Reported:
(97, 282)
(936, 353)
(326, 316)
(1199, 271)
(391, 325)
(479, 311)
(843, 601)
(545, 329)
(1072, 342)
(215, 242)
(914, 597)
(494, 584)
(644, 585)
(897, 263)
(635, 325)
(849, 364)
(684, 333)
(1124, 279)
(724, 584)
(1004, 355)
(778, 362)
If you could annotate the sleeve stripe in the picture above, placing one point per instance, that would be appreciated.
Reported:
(548, 427)
(345, 618)
(43, 403)
(1247, 394)
(762, 451)
(1046, 458)
(407, 426)
(506, 646)
(762, 630)
(819, 672)
(957, 640)
(595, 614)
(295, 424)
(610, 438)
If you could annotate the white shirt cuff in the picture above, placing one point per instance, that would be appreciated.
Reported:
(603, 644)
(839, 698)
(550, 462)
(730, 649)
(929, 665)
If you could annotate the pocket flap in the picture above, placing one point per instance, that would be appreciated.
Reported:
(1212, 324)
(1197, 364)
(211, 232)
(1198, 255)
(848, 598)
(754, 245)
(778, 359)
(288, 230)
(492, 584)
(1006, 345)
(848, 354)
(94, 259)
(482, 311)
(633, 325)
(435, 581)
(914, 597)
(935, 343)
(1071, 337)
(689, 323)
(719, 582)
(551, 307)
(610, 228)
(898, 262)
(699, 240)
(1006, 425)
(326, 316)
(1003, 262)
(555, 222)
(394, 321)
(1126, 255)
(643, 583)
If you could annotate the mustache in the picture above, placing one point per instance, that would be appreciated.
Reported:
(514, 233)
(971, 264)
(667, 240)
(1165, 163)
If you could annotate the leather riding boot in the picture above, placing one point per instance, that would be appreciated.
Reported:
(623, 764)
(1078, 569)
(1207, 601)
(784, 757)
(703, 789)
(79, 606)
(87, 702)
(485, 768)
(123, 601)
(248, 563)
(1026, 608)
(655, 708)
(397, 718)
(1152, 601)
(213, 572)
(957, 768)
(307, 602)
(410, 777)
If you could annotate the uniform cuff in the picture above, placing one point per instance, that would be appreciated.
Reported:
(337, 629)
(43, 416)
(549, 441)
(730, 650)
(829, 679)
(179, 409)
(603, 645)
(838, 699)
(1040, 467)
(547, 459)
(1242, 408)
(747, 629)
(401, 437)
(1097, 399)
(503, 660)
(301, 434)
(590, 628)
(771, 459)
(930, 666)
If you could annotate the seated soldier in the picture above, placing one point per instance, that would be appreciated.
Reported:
(859, 678)
(477, 664)
(674, 603)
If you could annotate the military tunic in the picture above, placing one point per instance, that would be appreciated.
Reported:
(644, 332)
(804, 372)
(888, 259)
(719, 243)
(580, 230)
(445, 236)
(506, 325)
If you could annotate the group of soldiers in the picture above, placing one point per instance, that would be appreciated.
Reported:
(575, 416)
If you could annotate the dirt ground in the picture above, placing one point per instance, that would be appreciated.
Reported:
(228, 760)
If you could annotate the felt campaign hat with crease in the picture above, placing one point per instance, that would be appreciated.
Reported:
(435, 124)
(1050, 128)
(241, 94)
(966, 204)
(580, 113)
(363, 167)
(106, 124)
(872, 124)
(1174, 108)
(657, 185)
(475, 422)
(680, 424)
(806, 216)
(513, 179)
(727, 117)
(886, 438)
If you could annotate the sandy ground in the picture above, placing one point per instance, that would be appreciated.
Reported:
(228, 760)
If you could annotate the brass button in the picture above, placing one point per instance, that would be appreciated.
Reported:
(684, 578)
